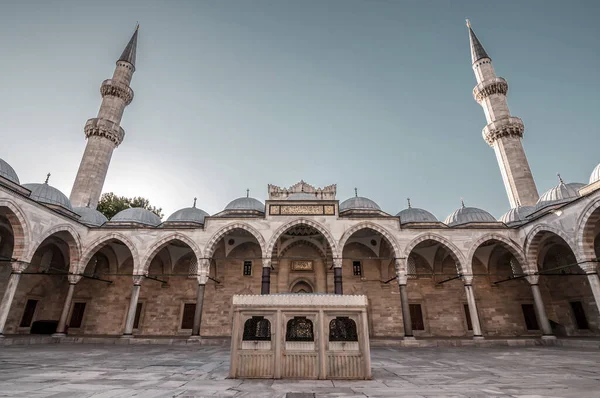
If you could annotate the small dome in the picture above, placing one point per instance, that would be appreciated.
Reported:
(466, 215)
(188, 214)
(8, 172)
(137, 215)
(246, 203)
(594, 177)
(414, 214)
(562, 193)
(89, 216)
(49, 195)
(516, 215)
(302, 196)
(359, 203)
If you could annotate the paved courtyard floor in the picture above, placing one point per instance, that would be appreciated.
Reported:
(86, 370)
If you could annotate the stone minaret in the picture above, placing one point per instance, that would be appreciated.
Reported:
(503, 131)
(104, 132)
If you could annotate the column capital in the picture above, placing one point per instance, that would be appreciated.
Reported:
(467, 279)
(74, 279)
(401, 273)
(589, 267)
(137, 279)
(266, 262)
(18, 266)
(533, 279)
(202, 276)
(337, 263)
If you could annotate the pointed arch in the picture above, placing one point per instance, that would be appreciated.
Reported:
(454, 251)
(209, 250)
(302, 221)
(104, 240)
(584, 236)
(534, 239)
(377, 228)
(20, 227)
(73, 241)
(508, 244)
(162, 243)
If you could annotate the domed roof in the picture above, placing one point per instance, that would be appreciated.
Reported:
(246, 203)
(562, 193)
(49, 195)
(188, 214)
(466, 215)
(137, 215)
(594, 177)
(8, 172)
(302, 196)
(359, 203)
(516, 215)
(414, 214)
(89, 216)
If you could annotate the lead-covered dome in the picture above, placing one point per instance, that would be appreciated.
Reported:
(359, 203)
(516, 215)
(136, 215)
(49, 195)
(8, 172)
(188, 215)
(467, 215)
(246, 203)
(562, 193)
(414, 214)
(594, 177)
(89, 216)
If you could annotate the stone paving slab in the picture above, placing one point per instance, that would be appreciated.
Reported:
(106, 371)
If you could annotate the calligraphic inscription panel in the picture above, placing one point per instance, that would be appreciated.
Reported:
(302, 265)
(302, 210)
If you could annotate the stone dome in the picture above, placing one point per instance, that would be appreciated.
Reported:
(414, 214)
(89, 216)
(49, 195)
(247, 203)
(188, 215)
(466, 215)
(562, 193)
(302, 196)
(593, 178)
(137, 215)
(8, 172)
(516, 215)
(359, 203)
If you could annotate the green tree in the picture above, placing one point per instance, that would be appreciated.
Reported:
(110, 204)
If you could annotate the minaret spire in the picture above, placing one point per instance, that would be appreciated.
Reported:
(104, 132)
(503, 131)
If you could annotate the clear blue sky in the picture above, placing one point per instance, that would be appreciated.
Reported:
(232, 95)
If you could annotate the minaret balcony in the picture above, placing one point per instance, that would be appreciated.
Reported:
(117, 89)
(104, 128)
(505, 127)
(488, 87)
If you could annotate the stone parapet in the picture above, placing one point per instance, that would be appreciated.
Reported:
(117, 89)
(505, 127)
(488, 87)
(104, 128)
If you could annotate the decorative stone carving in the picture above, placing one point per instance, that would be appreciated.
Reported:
(74, 279)
(302, 265)
(18, 266)
(116, 89)
(290, 300)
(301, 210)
(278, 193)
(137, 279)
(489, 87)
(104, 128)
(509, 126)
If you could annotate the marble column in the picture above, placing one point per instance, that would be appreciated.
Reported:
(402, 280)
(540, 309)
(265, 287)
(337, 276)
(591, 269)
(9, 293)
(202, 279)
(135, 294)
(468, 280)
(62, 323)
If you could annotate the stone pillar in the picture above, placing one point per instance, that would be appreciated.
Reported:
(468, 280)
(337, 276)
(202, 279)
(135, 294)
(9, 293)
(265, 287)
(591, 269)
(62, 323)
(540, 309)
(400, 266)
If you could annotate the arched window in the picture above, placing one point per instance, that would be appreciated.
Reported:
(342, 328)
(299, 329)
(257, 328)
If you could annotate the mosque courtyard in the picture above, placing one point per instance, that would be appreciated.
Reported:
(89, 370)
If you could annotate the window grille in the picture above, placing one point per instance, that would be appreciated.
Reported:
(299, 329)
(357, 268)
(257, 328)
(247, 268)
(342, 328)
